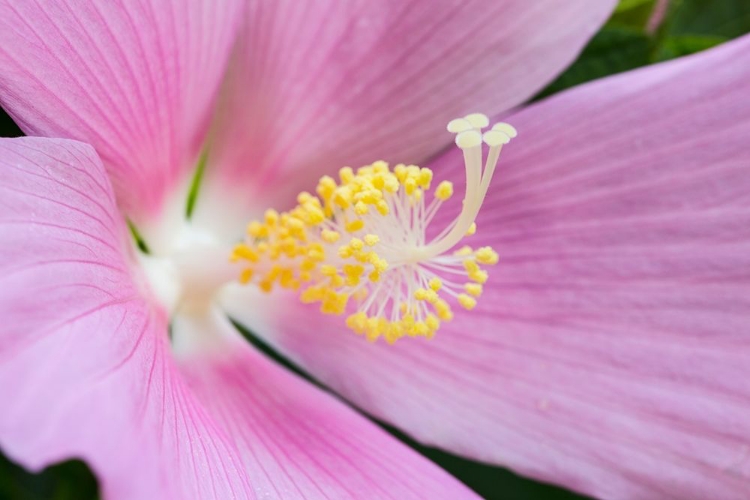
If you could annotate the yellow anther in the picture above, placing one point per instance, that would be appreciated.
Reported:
(464, 251)
(420, 294)
(314, 216)
(304, 197)
(345, 251)
(371, 239)
(486, 255)
(246, 275)
(334, 303)
(353, 270)
(356, 244)
(308, 265)
(274, 273)
(257, 230)
(352, 280)
(436, 284)
(328, 270)
(425, 178)
(364, 173)
(311, 294)
(400, 172)
(316, 252)
(474, 289)
(443, 310)
(330, 236)
(444, 190)
(408, 321)
(271, 217)
(412, 171)
(355, 225)
(432, 322)
(432, 296)
(287, 280)
(370, 196)
(244, 252)
(479, 277)
(382, 207)
(346, 174)
(410, 185)
(420, 329)
(390, 184)
(374, 276)
(380, 265)
(343, 197)
(472, 229)
(467, 302)
(361, 256)
(295, 224)
(379, 167)
(471, 266)
(360, 208)
(357, 322)
(326, 182)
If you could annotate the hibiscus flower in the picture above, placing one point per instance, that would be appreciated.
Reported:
(607, 353)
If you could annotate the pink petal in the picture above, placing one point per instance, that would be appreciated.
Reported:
(137, 80)
(329, 84)
(86, 369)
(610, 351)
(297, 442)
(76, 338)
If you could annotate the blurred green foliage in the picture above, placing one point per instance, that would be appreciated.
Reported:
(71, 480)
(623, 44)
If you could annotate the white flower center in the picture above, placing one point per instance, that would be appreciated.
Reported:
(189, 272)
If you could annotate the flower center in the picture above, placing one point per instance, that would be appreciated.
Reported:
(361, 245)
(187, 275)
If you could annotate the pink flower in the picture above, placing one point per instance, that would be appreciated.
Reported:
(608, 353)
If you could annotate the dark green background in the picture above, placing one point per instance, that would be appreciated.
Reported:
(623, 44)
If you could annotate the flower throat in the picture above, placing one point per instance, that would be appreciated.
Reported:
(360, 247)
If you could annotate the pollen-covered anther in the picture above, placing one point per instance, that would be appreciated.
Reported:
(364, 245)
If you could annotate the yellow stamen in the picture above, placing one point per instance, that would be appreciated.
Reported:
(394, 281)
(444, 191)
(474, 289)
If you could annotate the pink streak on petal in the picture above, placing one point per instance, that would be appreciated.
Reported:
(85, 368)
(610, 351)
(137, 80)
(297, 442)
(317, 86)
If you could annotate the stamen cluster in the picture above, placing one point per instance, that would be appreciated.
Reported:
(359, 246)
